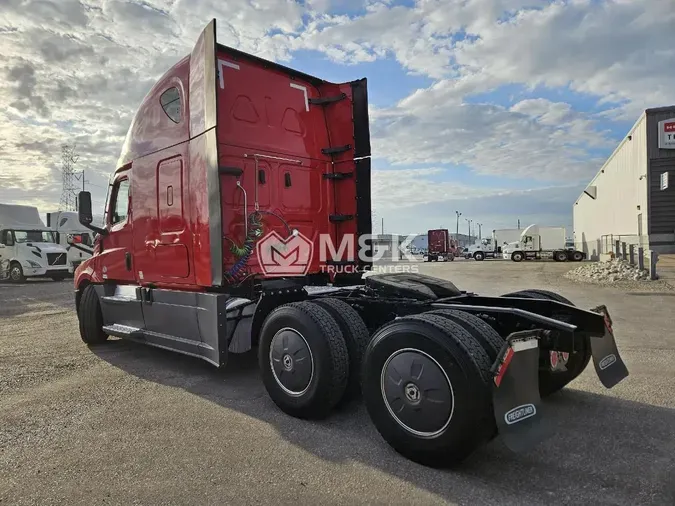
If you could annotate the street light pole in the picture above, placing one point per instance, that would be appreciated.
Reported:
(469, 222)
(480, 235)
(457, 234)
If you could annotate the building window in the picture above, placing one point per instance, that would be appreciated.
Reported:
(171, 104)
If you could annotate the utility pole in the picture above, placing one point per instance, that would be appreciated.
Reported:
(518, 223)
(382, 226)
(469, 222)
(480, 235)
(457, 234)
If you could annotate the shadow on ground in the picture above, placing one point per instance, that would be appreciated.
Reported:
(605, 450)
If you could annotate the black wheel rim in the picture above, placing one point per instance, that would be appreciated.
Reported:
(291, 361)
(417, 392)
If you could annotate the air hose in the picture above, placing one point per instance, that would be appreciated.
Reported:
(244, 252)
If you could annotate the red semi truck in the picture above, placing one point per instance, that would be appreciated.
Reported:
(228, 150)
(440, 245)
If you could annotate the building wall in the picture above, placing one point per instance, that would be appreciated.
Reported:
(661, 203)
(619, 211)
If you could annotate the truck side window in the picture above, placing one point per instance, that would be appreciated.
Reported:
(171, 104)
(121, 202)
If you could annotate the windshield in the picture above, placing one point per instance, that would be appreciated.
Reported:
(22, 236)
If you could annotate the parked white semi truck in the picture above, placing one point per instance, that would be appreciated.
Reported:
(537, 243)
(78, 241)
(29, 246)
(491, 247)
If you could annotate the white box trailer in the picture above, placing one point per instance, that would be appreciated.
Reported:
(78, 240)
(29, 246)
(538, 243)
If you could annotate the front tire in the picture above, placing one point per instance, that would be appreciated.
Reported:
(303, 359)
(577, 256)
(91, 317)
(425, 386)
(517, 256)
(16, 273)
(479, 256)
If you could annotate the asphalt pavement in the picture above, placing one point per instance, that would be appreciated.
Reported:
(127, 424)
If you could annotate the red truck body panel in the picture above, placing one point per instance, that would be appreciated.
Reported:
(439, 242)
(233, 111)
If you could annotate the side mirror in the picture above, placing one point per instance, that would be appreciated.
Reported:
(84, 213)
(84, 208)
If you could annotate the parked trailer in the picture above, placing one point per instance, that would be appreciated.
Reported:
(539, 243)
(188, 265)
(440, 246)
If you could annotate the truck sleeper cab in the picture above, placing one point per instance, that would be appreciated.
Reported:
(234, 173)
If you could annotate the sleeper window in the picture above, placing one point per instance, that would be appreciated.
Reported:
(171, 104)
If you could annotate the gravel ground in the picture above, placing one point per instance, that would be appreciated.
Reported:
(126, 424)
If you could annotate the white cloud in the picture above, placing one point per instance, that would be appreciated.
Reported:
(74, 70)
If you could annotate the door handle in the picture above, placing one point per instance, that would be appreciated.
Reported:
(127, 258)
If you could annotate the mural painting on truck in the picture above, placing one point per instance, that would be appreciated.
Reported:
(624, 201)
(257, 151)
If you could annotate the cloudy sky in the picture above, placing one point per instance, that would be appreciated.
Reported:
(501, 109)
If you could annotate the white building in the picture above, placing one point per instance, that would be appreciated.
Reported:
(631, 198)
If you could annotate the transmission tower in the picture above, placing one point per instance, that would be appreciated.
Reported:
(69, 191)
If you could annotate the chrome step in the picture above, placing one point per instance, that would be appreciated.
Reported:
(118, 330)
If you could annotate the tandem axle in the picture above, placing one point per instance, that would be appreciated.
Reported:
(441, 371)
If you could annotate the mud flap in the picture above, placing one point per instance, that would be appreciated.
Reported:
(608, 364)
(516, 401)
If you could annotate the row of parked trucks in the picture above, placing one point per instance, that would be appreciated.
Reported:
(30, 249)
(531, 243)
(214, 183)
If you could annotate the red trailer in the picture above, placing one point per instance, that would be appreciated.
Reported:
(440, 245)
(234, 174)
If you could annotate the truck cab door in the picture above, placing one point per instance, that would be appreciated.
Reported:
(116, 259)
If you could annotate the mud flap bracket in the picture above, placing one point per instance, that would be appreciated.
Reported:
(608, 363)
(515, 391)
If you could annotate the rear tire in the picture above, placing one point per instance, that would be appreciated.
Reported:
(421, 357)
(91, 317)
(356, 336)
(303, 359)
(488, 337)
(560, 256)
(553, 381)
